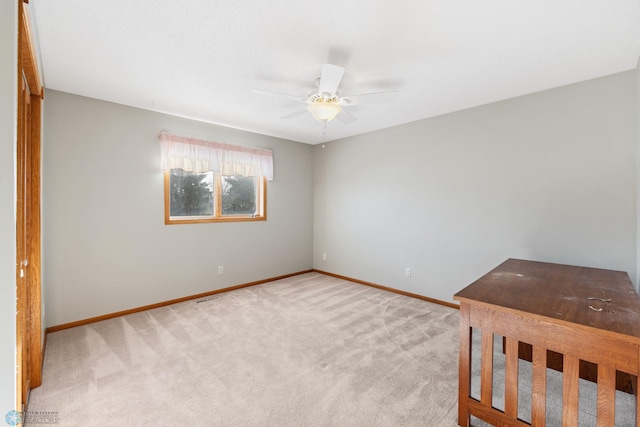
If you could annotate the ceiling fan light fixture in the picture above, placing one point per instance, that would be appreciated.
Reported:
(324, 111)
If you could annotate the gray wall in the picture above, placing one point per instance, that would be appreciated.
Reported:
(106, 247)
(549, 176)
(637, 120)
(8, 126)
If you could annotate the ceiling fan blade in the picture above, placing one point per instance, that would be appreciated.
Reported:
(294, 114)
(330, 79)
(346, 117)
(368, 98)
(278, 95)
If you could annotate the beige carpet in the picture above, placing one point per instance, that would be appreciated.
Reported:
(309, 350)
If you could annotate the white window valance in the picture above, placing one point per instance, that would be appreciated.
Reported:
(195, 155)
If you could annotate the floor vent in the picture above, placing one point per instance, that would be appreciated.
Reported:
(207, 299)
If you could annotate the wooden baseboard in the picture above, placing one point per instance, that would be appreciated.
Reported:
(232, 288)
(164, 303)
(396, 291)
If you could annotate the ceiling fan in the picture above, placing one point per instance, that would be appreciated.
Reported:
(326, 103)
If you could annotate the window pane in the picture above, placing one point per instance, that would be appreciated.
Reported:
(238, 195)
(191, 193)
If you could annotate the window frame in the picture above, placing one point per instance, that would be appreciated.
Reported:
(261, 204)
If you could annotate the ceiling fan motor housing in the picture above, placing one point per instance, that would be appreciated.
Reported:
(320, 98)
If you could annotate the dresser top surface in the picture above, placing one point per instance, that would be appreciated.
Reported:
(605, 299)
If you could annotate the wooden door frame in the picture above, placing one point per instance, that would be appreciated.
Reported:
(29, 307)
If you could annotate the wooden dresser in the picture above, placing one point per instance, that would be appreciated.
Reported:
(582, 314)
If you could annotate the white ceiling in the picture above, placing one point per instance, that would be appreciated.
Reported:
(201, 58)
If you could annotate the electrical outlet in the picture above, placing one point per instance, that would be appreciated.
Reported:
(407, 272)
(324, 256)
(220, 269)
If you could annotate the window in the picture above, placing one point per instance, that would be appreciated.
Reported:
(192, 197)
(213, 182)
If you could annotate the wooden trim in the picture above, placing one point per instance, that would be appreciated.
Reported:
(395, 291)
(21, 232)
(28, 234)
(167, 197)
(217, 196)
(232, 288)
(34, 245)
(213, 220)
(28, 60)
(20, 294)
(263, 199)
(165, 303)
